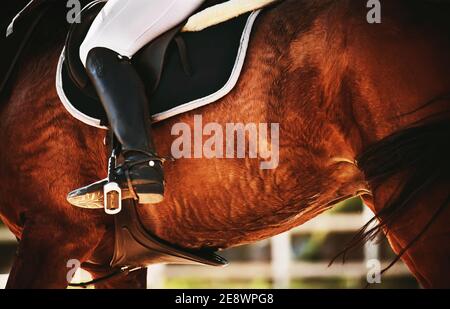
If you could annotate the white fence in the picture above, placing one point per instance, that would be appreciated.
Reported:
(3, 279)
(6, 237)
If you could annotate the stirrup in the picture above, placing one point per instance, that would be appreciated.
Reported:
(112, 198)
(112, 193)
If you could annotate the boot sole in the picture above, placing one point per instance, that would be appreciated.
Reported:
(88, 201)
(95, 200)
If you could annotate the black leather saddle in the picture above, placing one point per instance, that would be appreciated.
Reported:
(176, 67)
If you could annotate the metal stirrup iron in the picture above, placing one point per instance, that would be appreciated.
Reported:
(112, 193)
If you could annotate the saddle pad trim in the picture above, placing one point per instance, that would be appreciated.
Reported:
(226, 89)
(66, 102)
(222, 12)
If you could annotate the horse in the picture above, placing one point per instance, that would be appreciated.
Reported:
(363, 110)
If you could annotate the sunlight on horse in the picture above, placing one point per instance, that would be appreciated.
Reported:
(349, 97)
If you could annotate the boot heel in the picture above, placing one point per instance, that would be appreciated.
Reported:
(150, 198)
(152, 193)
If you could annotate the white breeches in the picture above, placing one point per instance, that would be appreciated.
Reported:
(125, 26)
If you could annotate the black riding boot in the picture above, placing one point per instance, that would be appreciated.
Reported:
(123, 96)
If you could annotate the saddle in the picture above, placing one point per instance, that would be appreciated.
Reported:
(201, 67)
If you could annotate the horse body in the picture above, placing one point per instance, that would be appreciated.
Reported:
(334, 83)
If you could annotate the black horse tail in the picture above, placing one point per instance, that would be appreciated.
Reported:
(422, 151)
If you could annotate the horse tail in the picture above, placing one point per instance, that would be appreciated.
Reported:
(422, 151)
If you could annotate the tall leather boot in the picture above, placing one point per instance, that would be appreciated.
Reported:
(123, 96)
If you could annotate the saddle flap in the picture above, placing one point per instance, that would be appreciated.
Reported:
(134, 246)
(150, 61)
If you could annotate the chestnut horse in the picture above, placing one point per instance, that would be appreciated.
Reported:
(363, 110)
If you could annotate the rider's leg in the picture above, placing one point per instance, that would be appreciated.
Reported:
(124, 98)
(125, 26)
(121, 29)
